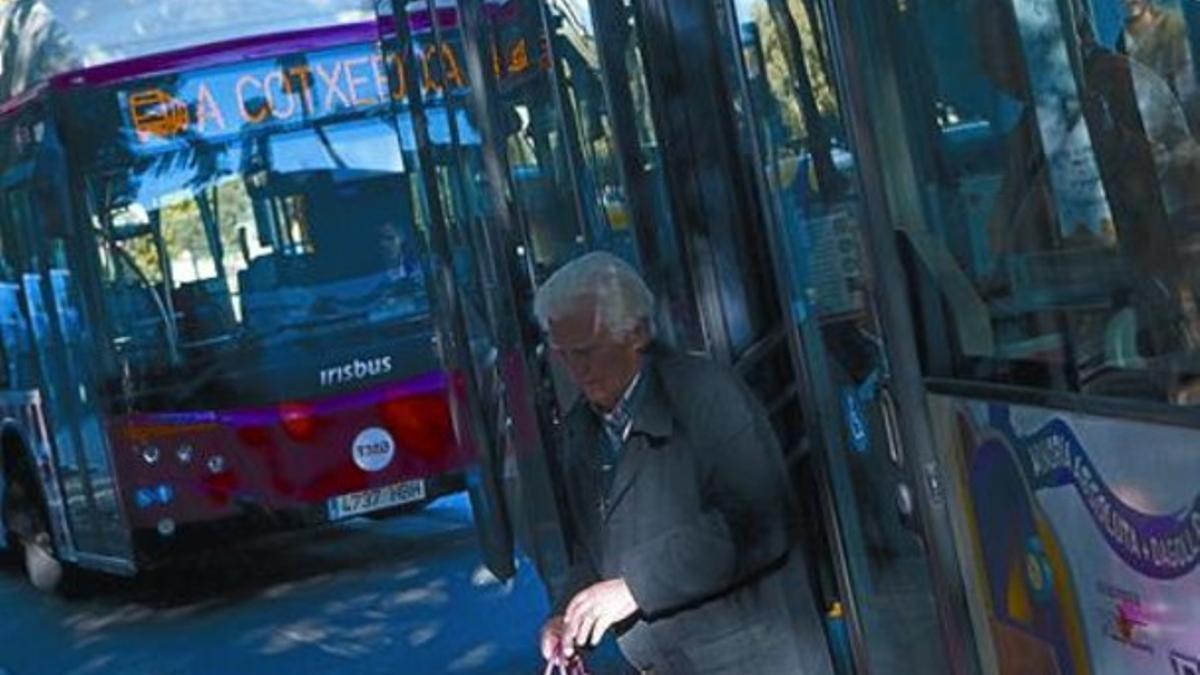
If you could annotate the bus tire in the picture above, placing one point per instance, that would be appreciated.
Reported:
(28, 531)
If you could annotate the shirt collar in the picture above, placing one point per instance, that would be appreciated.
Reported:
(622, 413)
(644, 403)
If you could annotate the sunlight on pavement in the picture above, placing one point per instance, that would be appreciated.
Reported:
(100, 664)
(84, 623)
(424, 634)
(474, 659)
(434, 593)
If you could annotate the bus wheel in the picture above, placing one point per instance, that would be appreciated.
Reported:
(29, 532)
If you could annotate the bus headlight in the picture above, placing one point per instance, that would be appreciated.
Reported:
(150, 454)
(166, 527)
(216, 464)
(185, 453)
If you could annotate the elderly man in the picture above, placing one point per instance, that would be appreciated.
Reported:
(677, 496)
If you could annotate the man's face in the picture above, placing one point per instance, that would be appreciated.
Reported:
(601, 365)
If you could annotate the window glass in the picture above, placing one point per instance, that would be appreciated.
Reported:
(1058, 166)
(602, 65)
(249, 217)
(269, 255)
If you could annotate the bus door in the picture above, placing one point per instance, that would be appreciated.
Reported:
(507, 169)
(59, 336)
(531, 172)
(471, 286)
(105, 542)
(883, 495)
(1043, 194)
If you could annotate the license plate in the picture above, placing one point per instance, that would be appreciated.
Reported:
(366, 501)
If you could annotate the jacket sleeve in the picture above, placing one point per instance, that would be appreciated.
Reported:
(740, 531)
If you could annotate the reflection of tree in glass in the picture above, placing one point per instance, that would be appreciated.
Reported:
(183, 236)
(33, 46)
(779, 72)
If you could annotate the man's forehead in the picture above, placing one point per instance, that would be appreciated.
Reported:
(581, 323)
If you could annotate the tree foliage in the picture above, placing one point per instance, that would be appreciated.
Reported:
(184, 239)
(780, 72)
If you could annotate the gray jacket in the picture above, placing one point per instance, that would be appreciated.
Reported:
(697, 523)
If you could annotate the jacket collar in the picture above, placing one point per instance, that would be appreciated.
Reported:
(653, 415)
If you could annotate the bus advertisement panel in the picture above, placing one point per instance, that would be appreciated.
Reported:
(1087, 530)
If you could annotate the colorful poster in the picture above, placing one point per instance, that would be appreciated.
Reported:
(1087, 530)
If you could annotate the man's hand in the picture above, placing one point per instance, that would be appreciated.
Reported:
(593, 611)
(552, 637)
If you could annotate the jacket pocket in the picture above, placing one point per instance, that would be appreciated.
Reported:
(735, 652)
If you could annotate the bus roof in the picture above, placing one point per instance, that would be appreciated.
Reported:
(218, 53)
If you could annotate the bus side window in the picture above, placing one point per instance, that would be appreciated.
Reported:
(14, 335)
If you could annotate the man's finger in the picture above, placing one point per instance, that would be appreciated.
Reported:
(587, 607)
(550, 644)
(598, 630)
(586, 624)
(576, 605)
(573, 628)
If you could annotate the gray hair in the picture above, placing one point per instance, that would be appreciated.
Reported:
(622, 300)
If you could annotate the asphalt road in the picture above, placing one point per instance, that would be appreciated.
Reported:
(406, 595)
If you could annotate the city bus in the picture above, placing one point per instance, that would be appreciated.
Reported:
(214, 296)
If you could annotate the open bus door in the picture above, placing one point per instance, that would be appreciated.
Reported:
(51, 367)
(465, 293)
(569, 161)
(771, 262)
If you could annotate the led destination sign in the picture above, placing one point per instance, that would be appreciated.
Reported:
(219, 102)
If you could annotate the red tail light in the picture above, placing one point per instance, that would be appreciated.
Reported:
(420, 424)
(299, 420)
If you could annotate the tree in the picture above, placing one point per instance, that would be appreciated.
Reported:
(799, 82)
(779, 69)
(33, 46)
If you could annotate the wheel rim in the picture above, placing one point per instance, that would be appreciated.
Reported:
(26, 524)
(44, 570)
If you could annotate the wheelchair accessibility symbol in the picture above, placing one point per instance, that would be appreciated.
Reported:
(1185, 665)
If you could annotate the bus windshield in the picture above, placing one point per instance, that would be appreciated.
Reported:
(262, 241)
(246, 251)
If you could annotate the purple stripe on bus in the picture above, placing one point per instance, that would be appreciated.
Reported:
(433, 382)
(217, 53)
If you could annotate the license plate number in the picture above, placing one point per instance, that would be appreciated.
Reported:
(366, 501)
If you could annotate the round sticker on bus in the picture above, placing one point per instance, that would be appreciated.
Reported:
(373, 449)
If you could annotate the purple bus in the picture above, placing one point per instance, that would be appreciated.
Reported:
(213, 308)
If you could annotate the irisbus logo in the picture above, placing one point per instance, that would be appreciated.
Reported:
(356, 370)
